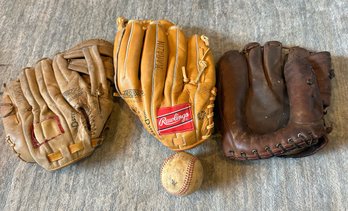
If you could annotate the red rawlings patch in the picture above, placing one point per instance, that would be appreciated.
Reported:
(175, 119)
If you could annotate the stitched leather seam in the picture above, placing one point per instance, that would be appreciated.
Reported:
(175, 67)
(194, 98)
(116, 62)
(128, 44)
(188, 177)
(36, 143)
(152, 117)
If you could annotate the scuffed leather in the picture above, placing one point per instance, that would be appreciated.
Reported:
(272, 99)
(149, 58)
(56, 112)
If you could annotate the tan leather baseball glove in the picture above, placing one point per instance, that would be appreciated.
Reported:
(56, 112)
(167, 79)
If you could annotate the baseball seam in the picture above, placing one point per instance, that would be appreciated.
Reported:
(166, 161)
(188, 177)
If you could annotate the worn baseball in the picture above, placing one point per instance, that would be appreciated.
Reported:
(181, 174)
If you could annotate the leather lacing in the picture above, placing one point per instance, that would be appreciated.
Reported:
(202, 67)
(328, 127)
(202, 64)
(269, 150)
(293, 143)
(243, 154)
(210, 116)
(12, 145)
(308, 139)
(256, 153)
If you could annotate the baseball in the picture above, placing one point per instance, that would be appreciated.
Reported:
(181, 174)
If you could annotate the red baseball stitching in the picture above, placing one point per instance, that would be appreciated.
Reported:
(188, 177)
(166, 161)
(188, 174)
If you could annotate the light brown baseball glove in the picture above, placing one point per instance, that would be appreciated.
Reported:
(167, 79)
(56, 112)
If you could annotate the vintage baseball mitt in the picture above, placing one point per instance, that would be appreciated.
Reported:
(167, 79)
(56, 112)
(272, 101)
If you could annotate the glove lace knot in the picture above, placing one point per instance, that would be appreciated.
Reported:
(306, 139)
(256, 153)
(205, 39)
(292, 142)
(279, 145)
(269, 150)
(202, 64)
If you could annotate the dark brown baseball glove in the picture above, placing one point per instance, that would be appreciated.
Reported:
(272, 101)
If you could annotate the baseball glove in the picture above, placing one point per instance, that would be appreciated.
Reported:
(56, 112)
(272, 101)
(168, 80)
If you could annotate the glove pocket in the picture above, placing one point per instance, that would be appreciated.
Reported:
(46, 130)
(53, 145)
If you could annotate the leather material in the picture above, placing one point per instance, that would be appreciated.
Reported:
(272, 99)
(159, 70)
(56, 112)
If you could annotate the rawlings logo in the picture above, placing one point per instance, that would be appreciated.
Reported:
(175, 119)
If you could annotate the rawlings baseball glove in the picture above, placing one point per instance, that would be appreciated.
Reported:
(272, 101)
(168, 80)
(56, 112)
